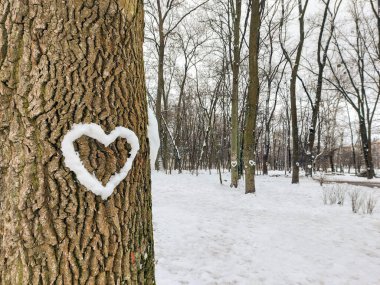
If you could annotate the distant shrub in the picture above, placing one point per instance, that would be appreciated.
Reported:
(340, 192)
(334, 195)
(356, 200)
(369, 204)
(361, 201)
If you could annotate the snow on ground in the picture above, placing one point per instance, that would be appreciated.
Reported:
(331, 177)
(207, 233)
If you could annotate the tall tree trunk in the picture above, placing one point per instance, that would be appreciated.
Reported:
(70, 62)
(235, 97)
(289, 150)
(267, 115)
(252, 100)
(293, 95)
(177, 136)
(161, 88)
(322, 60)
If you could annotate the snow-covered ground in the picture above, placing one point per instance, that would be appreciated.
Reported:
(207, 233)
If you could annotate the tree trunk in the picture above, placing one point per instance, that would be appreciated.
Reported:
(318, 95)
(161, 88)
(267, 131)
(252, 100)
(266, 154)
(64, 63)
(331, 160)
(367, 148)
(293, 96)
(352, 139)
(235, 97)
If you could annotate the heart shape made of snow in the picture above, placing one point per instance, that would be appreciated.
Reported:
(73, 162)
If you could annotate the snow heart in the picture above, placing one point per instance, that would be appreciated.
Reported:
(233, 163)
(94, 131)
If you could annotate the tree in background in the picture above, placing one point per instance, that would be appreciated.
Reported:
(250, 134)
(165, 18)
(322, 50)
(293, 80)
(273, 72)
(236, 16)
(198, 114)
(355, 74)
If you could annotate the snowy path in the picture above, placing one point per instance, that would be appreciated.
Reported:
(206, 233)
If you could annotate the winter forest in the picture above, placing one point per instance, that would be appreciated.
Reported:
(190, 142)
(317, 73)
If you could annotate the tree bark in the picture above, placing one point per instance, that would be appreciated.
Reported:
(235, 97)
(252, 100)
(68, 62)
(293, 95)
(161, 87)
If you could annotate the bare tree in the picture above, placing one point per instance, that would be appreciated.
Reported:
(293, 80)
(322, 51)
(356, 75)
(190, 39)
(272, 74)
(165, 20)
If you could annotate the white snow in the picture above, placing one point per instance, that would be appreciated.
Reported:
(207, 233)
(153, 136)
(348, 177)
(72, 159)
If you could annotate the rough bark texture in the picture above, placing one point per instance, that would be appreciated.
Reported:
(61, 63)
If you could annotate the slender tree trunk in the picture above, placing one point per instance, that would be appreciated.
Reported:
(293, 95)
(69, 62)
(352, 138)
(235, 97)
(318, 95)
(295, 142)
(288, 136)
(267, 125)
(252, 100)
(319, 143)
(266, 150)
(161, 86)
(178, 130)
